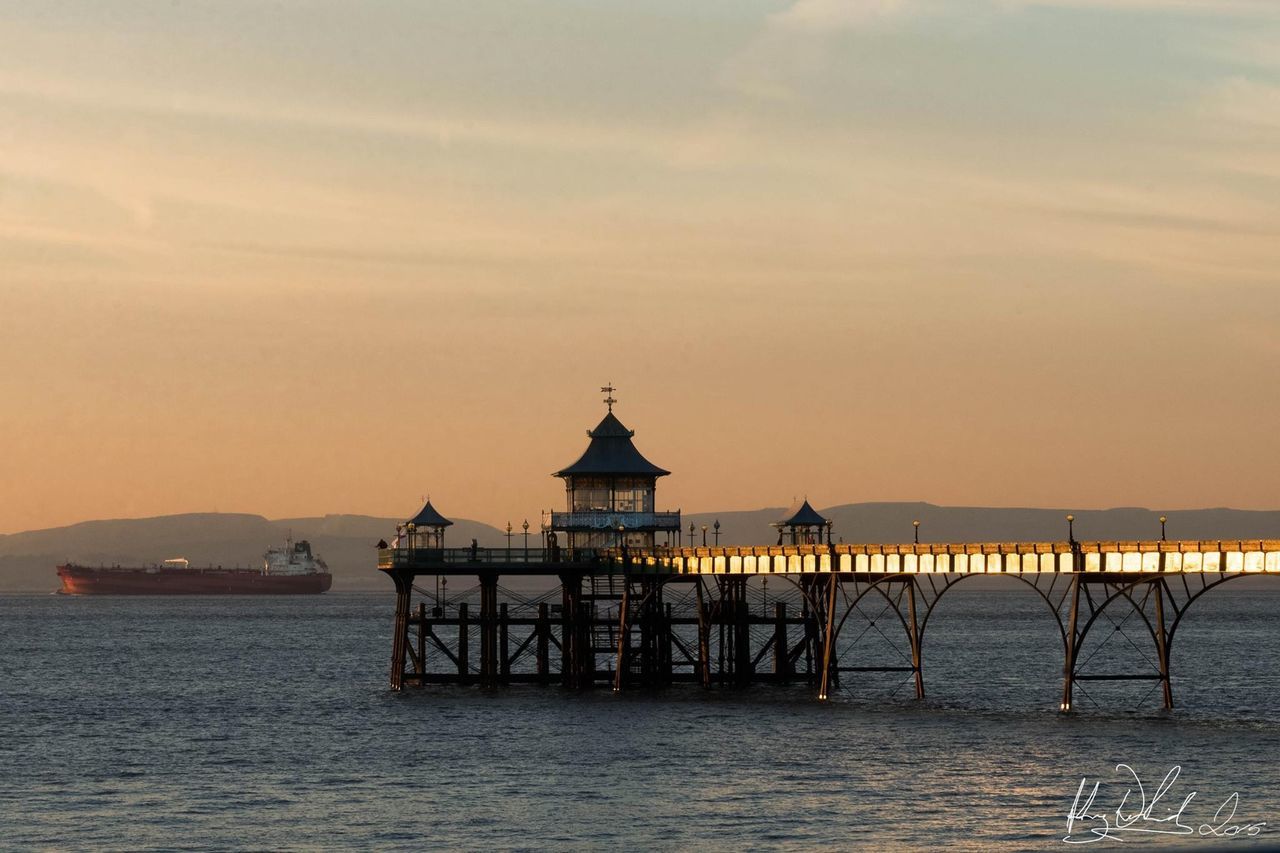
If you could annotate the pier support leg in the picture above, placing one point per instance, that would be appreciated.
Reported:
(704, 637)
(720, 615)
(504, 650)
(464, 642)
(781, 657)
(741, 633)
(568, 607)
(420, 662)
(810, 619)
(575, 642)
(621, 664)
(829, 638)
(400, 637)
(1069, 667)
(915, 636)
(665, 646)
(654, 639)
(544, 644)
(489, 630)
(1162, 646)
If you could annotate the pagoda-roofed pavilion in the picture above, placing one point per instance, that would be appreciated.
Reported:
(802, 525)
(424, 530)
(610, 493)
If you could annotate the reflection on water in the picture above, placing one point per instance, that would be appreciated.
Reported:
(230, 723)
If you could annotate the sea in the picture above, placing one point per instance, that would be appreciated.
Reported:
(246, 723)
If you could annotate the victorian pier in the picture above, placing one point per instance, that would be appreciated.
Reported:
(631, 606)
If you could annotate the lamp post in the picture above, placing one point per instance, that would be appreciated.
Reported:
(916, 525)
(704, 536)
(830, 524)
(526, 539)
(1071, 529)
(410, 528)
(691, 530)
(717, 533)
(1163, 519)
(508, 542)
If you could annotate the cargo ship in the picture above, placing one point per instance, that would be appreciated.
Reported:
(291, 570)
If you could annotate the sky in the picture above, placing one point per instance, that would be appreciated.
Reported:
(295, 258)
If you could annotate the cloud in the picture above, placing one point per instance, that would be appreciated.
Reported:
(1247, 102)
(835, 15)
(1216, 8)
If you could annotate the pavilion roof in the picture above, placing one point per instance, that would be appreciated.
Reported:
(611, 452)
(428, 516)
(800, 514)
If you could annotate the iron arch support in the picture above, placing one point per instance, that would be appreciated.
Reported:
(953, 581)
(873, 586)
(1122, 591)
(1181, 610)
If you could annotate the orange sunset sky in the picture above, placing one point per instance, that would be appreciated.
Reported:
(296, 258)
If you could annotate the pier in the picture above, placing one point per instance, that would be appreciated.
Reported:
(630, 606)
(630, 620)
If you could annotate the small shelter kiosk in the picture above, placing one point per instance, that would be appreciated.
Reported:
(424, 530)
(802, 525)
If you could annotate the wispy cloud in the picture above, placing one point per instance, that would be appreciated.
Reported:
(834, 15)
(1218, 8)
(1247, 102)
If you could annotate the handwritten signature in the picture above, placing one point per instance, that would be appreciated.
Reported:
(1161, 813)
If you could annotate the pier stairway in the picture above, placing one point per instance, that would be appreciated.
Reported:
(605, 599)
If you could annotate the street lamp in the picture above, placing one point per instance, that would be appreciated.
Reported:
(916, 525)
(1163, 519)
(691, 529)
(1071, 529)
(717, 534)
(704, 536)
(508, 542)
(526, 539)
(830, 524)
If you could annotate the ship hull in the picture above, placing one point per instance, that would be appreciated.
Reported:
(82, 580)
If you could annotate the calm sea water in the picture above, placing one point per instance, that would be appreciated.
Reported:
(202, 723)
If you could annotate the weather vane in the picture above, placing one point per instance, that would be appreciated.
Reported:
(609, 401)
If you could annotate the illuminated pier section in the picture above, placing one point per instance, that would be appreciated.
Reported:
(1111, 558)
(627, 610)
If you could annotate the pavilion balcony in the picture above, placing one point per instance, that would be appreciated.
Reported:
(607, 520)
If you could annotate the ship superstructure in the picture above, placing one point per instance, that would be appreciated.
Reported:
(295, 558)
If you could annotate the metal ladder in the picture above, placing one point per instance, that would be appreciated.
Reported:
(605, 597)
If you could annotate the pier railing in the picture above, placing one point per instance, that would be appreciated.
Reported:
(411, 558)
(975, 558)
(604, 520)
(1103, 557)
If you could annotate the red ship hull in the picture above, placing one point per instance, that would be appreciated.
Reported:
(82, 580)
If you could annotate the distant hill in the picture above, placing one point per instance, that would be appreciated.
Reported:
(891, 522)
(346, 542)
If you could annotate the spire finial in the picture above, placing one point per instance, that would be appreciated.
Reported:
(609, 401)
